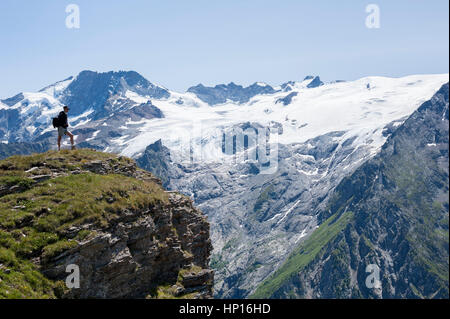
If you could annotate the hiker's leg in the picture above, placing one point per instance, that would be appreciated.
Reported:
(71, 139)
(59, 142)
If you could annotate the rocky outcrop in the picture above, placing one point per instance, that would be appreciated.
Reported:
(316, 82)
(156, 159)
(287, 99)
(223, 92)
(138, 250)
(144, 243)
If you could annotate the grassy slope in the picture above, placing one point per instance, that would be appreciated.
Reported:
(303, 255)
(34, 222)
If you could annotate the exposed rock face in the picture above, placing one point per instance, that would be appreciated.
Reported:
(138, 250)
(223, 92)
(156, 159)
(316, 82)
(287, 99)
(157, 247)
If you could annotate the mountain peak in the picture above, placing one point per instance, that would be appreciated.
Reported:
(91, 89)
(221, 93)
(13, 100)
(315, 81)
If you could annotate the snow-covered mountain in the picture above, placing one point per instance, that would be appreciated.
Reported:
(125, 103)
(92, 97)
(299, 140)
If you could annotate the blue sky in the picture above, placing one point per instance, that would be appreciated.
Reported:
(182, 43)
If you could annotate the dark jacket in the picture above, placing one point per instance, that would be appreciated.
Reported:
(62, 119)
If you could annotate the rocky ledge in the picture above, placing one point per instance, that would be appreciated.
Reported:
(97, 212)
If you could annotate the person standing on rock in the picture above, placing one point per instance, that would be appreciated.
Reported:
(63, 124)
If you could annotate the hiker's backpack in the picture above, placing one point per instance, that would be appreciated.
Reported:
(55, 122)
(58, 121)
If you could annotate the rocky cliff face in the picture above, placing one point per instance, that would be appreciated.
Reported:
(392, 212)
(126, 234)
